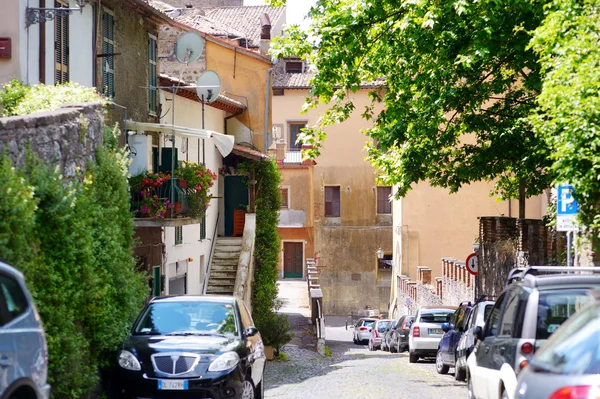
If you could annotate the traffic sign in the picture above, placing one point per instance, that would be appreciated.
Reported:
(472, 264)
(566, 208)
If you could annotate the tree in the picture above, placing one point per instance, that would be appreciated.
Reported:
(460, 81)
(569, 103)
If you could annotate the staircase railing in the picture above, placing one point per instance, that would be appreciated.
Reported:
(212, 251)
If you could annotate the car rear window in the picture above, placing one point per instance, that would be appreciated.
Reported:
(368, 323)
(555, 307)
(382, 325)
(440, 316)
(487, 311)
(574, 348)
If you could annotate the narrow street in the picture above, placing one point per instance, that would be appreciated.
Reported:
(353, 371)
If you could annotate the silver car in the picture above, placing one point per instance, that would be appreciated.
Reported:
(568, 364)
(362, 330)
(426, 331)
(23, 350)
(377, 334)
(476, 318)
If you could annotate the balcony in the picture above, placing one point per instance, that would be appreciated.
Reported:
(293, 156)
(164, 202)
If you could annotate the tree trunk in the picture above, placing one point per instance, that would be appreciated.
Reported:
(522, 199)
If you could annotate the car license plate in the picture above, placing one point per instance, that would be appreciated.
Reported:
(173, 385)
(436, 331)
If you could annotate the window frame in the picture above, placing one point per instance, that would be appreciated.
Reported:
(61, 44)
(285, 205)
(291, 146)
(108, 74)
(178, 235)
(387, 204)
(152, 75)
(5, 315)
(298, 66)
(203, 227)
(500, 304)
(339, 204)
(512, 300)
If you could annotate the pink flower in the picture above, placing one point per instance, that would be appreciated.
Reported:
(198, 187)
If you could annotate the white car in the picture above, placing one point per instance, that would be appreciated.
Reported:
(362, 330)
(476, 318)
(426, 331)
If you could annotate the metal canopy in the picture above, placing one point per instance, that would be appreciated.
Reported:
(223, 142)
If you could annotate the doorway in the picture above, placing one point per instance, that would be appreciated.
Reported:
(235, 199)
(293, 256)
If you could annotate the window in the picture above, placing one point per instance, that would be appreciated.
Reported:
(277, 91)
(508, 317)
(13, 298)
(436, 316)
(555, 307)
(332, 201)
(152, 76)
(492, 323)
(178, 235)
(108, 50)
(295, 129)
(203, 227)
(61, 45)
(384, 205)
(294, 67)
(285, 200)
(385, 262)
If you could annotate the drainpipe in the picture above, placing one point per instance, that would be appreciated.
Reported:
(267, 87)
(265, 39)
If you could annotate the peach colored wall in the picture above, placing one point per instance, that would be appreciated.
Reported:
(9, 27)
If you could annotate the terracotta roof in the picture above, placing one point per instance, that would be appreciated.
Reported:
(145, 9)
(248, 153)
(282, 80)
(245, 19)
(205, 24)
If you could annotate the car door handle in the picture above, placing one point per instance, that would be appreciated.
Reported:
(5, 361)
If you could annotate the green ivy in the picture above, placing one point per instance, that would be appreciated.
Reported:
(73, 241)
(274, 327)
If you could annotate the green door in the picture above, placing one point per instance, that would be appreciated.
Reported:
(236, 197)
(292, 259)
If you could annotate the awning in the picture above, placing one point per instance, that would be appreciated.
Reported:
(223, 142)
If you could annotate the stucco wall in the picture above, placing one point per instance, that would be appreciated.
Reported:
(10, 18)
(299, 182)
(66, 137)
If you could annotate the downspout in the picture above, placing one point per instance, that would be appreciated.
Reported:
(267, 87)
(265, 39)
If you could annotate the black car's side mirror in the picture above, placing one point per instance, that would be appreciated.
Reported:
(251, 331)
(478, 332)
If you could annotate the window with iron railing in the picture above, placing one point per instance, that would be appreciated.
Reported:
(295, 128)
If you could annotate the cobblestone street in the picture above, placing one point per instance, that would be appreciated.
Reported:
(355, 372)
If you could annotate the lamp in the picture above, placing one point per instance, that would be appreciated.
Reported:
(380, 253)
(37, 15)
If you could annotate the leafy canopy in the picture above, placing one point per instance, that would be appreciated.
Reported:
(459, 81)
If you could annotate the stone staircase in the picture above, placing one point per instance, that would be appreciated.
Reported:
(223, 269)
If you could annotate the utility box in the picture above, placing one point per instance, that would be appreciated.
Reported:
(5, 47)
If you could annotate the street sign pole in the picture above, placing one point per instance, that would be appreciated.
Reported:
(566, 215)
(569, 249)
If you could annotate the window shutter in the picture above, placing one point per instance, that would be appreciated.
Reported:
(152, 77)
(108, 47)
(61, 46)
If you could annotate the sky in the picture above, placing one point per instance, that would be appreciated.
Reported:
(296, 10)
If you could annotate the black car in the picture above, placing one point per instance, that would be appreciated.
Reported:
(192, 347)
(447, 354)
(399, 337)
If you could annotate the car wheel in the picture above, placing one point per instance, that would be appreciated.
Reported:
(393, 348)
(248, 392)
(413, 358)
(440, 367)
(354, 340)
(470, 393)
(384, 347)
(460, 374)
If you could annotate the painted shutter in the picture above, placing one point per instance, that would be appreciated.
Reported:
(152, 77)
(61, 46)
(108, 47)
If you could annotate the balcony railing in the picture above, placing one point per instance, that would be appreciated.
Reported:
(293, 157)
(164, 202)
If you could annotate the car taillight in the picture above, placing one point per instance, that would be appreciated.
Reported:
(416, 332)
(527, 348)
(376, 334)
(363, 329)
(523, 364)
(474, 340)
(577, 392)
(404, 325)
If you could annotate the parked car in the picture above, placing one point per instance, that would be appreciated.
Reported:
(477, 317)
(426, 331)
(535, 303)
(453, 330)
(191, 347)
(362, 330)
(377, 333)
(568, 364)
(387, 336)
(400, 336)
(23, 350)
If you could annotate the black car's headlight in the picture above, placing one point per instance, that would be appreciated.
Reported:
(128, 361)
(225, 362)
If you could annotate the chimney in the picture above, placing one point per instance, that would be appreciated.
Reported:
(265, 33)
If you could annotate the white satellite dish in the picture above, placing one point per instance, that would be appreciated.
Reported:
(208, 86)
(189, 47)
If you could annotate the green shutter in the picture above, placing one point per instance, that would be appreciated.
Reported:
(152, 77)
(108, 47)
(157, 289)
(203, 227)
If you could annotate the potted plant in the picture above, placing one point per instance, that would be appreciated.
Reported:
(274, 329)
(197, 180)
(151, 195)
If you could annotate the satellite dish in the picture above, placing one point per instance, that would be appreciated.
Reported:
(208, 86)
(189, 47)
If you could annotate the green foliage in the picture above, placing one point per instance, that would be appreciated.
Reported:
(274, 328)
(569, 103)
(73, 241)
(328, 352)
(282, 356)
(459, 80)
(19, 99)
(199, 179)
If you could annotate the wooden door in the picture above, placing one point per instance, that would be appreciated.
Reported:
(292, 259)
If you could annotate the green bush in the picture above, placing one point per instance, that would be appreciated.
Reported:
(11, 95)
(73, 240)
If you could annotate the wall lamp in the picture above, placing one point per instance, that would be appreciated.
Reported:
(380, 253)
(37, 15)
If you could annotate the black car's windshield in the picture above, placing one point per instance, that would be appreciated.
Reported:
(574, 348)
(188, 318)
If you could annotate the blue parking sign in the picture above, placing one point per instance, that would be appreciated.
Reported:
(566, 204)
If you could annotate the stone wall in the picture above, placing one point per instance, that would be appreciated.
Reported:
(66, 137)
(456, 286)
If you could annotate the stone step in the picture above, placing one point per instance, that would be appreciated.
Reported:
(223, 274)
(221, 282)
(228, 248)
(223, 267)
(229, 240)
(219, 292)
(226, 255)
